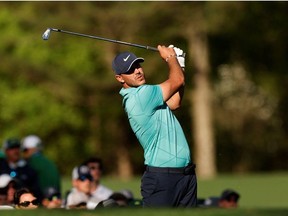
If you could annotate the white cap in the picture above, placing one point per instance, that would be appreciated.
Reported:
(5, 179)
(31, 141)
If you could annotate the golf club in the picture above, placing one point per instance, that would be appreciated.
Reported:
(47, 33)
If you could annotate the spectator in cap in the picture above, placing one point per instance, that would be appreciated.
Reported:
(228, 199)
(7, 189)
(17, 168)
(52, 198)
(47, 171)
(79, 197)
(149, 110)
(98, 191)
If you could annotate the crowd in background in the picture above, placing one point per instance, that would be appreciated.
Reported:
(28, 180)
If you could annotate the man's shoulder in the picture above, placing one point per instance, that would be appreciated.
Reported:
(76, 193)
(104, 188)
(139, 89)
(101, 189)
(39, 158)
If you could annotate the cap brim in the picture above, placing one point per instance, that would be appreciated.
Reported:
(135, 60)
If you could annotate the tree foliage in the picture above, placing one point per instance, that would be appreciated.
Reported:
(64, 89)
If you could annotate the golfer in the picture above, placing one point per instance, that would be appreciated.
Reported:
(169, 179)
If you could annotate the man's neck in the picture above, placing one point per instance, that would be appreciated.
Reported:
(95, 185)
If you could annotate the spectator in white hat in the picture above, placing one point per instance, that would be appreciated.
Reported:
(17, 168)
(47, 171)
(7, 189)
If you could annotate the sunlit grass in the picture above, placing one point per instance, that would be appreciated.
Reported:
(263, 190)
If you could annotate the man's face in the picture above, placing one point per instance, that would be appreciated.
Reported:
(95, 171)
(13, 154)
(133, 78)
(83, 184)
(27, 153)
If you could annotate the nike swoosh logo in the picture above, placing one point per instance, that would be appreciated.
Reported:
(125, 59)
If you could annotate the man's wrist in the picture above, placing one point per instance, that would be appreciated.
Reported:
(170, 56)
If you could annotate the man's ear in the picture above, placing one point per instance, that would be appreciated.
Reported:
(119, 79)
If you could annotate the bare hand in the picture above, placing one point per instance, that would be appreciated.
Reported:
(166, 52)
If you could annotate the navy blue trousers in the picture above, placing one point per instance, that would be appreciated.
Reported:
(162, 188)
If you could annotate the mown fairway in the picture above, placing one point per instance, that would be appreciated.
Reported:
(257, 190)
(261, 194)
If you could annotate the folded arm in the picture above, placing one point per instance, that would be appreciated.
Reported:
(173, 87)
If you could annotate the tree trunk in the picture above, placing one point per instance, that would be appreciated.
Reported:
(201, 107)
(124, 164)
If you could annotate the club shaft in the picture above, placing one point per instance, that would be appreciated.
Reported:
(105, 39)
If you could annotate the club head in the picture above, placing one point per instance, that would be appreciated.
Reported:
(46, 34)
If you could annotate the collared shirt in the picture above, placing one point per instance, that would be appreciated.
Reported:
(75, 197)
(156, 127)
(101, 193)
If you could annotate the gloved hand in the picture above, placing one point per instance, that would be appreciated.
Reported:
(180, 56)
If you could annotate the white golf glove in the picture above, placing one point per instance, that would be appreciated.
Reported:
(180, 56)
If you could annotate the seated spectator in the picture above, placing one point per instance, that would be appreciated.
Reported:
(120, 199)
(228, 199)
(79, 196)
(98, 190)
(7, 189)
(125, 198)
(132, 202)
(17, 168)
(24, 199)
(52, 198)
(108, 203)
(47, 171)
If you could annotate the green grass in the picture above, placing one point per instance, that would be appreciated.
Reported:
(149, 212)
(261, 195)
(256, 190)
(268, 190)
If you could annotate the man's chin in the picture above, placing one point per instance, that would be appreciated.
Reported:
(140, 83)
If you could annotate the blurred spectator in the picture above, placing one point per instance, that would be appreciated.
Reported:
(228, 199)
(98, 191)
(123, 198)
(18, 168)
(79, 196)
(130, 198)
(120, 199)
(7, 189)
(52, 198)
(108, 203)
(24, 199)
(2, 155)
(47, 171)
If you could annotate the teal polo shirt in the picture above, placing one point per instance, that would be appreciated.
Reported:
(156, 127)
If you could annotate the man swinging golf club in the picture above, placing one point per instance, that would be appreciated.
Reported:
(169, 179)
